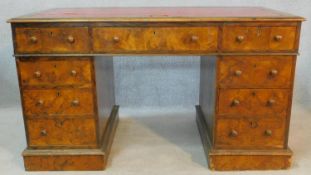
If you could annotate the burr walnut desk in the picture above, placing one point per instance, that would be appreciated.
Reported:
(64, 61)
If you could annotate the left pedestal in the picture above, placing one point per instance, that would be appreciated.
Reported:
(69, 123)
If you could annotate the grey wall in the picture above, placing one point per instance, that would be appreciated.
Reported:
(151, 81)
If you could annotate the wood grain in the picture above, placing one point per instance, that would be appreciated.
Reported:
(59, 72)
(150, 40)
(58, 102)
(250, 133)
(249, 162)
(255, 71)
(52, 40)
(258, 38)
(58, 133)
(253, 102)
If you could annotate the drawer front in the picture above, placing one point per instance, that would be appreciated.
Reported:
(258, 38)
(250, 133)
(61, 132)
(55, 72)
(255, 71)
(157, 40)
(52, 40)
(253, 102)
(63, 102)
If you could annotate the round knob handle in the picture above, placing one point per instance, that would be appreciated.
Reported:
(235, 102)
(34, 39)
(43, 132)
(278, 37)
(268, 132)
(233, 133)
(237, 73)
(75, 103)
(39, 103)
(116, 39)
(37, 74)
(194, 38)
(271, 102)
(240, 38)
(73, 73)
(70, 39)
(273, 72)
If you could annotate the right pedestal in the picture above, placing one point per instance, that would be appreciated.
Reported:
(244, 111)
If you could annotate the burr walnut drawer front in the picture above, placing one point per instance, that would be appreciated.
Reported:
(244, 133)
(255, 71)
(61, 132)
(62, 102)
(157, 40)
(55, 71)
(253, 102)
(258, 38)
(52, 40)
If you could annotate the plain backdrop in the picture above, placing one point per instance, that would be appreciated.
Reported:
(151, 81)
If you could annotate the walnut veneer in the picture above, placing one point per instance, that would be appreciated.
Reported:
(65, 69)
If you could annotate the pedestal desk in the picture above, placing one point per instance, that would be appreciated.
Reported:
(64, 61)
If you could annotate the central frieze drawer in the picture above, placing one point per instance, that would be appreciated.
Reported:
(160, 39)
(258, 38)
(62, 102)
(253, 102)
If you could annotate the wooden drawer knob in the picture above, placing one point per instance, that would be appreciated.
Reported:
(268, 132)
(39, 103)
(43, 132)
(240, 38)
(37, 74)
(235, 102)
(34, 39)
(237, 73)
(273, 72)
(194, 38)
(116, 39)
(75, 103)
(70, 39)
(278, 37)
(73, 73)
(233, 133)
(271, 102)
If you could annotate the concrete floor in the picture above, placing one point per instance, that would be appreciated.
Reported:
(153, 141)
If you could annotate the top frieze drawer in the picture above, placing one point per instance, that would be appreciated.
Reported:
(52, 40)
(259, 38)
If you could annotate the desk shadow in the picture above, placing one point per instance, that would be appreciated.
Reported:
(178, 128)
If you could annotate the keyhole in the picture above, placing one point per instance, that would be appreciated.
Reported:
(253, 124)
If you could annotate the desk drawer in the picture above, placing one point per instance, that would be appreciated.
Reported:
(61, 132)
(258, 38)
(61, 103)
(55, 72)
(154, 40)
(250, 133)
(52, 40)
(255, 71)
(253, 102)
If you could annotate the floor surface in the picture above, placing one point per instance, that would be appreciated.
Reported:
(153, 141)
